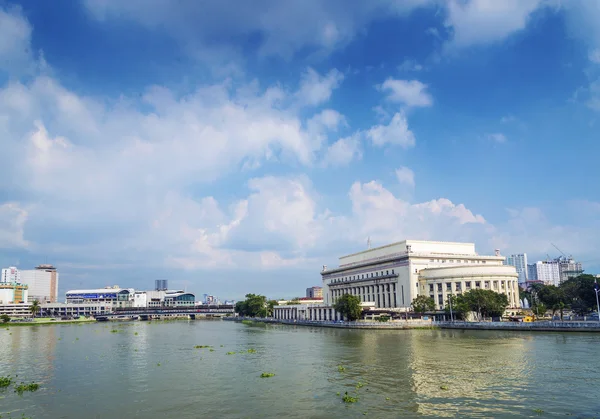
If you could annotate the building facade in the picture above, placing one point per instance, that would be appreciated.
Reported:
(10, 276)
(314, 292)
(42, 282)
(113, 296)
(75, 309)
(519, 261)
(548, 272)
(391, 276)
(13, 293)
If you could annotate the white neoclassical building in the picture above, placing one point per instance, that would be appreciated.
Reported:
(391, 276)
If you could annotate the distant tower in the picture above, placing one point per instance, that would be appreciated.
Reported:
(497, 251)
(161, 285)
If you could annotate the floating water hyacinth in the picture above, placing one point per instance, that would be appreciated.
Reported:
(202, 346)
(267, 375)
(251, 351)
(230, 353)
(341, 368)
(5, 381)
(21, 388)
(349, 399)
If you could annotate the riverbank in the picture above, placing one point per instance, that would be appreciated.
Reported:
(543, 326)
(46, 321)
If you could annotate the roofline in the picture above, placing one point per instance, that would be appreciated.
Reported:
(404, 241)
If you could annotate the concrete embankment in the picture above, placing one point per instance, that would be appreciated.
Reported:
(569, 326)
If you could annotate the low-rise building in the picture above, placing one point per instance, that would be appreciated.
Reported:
(75, 309)
(13, 293)
(16, 310)
(115, 296)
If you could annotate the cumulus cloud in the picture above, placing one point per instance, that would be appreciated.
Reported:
(477, 22)
(343, 151)
(284, 28)
(396, 132)
(15, 41)
(12, 223)
(411, 93)
(316, 89)
(405, 176)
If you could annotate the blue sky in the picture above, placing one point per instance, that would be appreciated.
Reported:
(236, 149)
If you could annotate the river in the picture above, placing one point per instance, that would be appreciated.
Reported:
(153, 370)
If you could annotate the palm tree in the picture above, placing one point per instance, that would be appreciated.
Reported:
(35, 307)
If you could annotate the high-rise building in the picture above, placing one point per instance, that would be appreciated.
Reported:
(519, 261)
(161, 285)
(547, 271)
(314, 292)
(569, 268)
(10, 276)
(42, 282)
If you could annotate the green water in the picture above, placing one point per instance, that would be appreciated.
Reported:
(152, 370)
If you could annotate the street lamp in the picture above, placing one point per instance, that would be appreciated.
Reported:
(597, 290)
(450, 301)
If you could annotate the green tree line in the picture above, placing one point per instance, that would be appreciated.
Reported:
(576, 294)
(255, 306)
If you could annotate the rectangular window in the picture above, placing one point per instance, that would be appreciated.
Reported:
(477, 284)
(458, 286)
(440, 299)
(449, 286)
(439, 287)
(430, 287)
(392, 272)
(468, 284)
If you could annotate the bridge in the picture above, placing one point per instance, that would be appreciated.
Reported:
(148, 313)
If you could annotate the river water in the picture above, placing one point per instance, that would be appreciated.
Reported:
(153, 370)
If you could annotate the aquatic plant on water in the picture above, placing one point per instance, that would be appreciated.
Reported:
(201, 346)
(211, 350)
(267, 375)
(538, 411)
(443, 387)
(359, 385)
(114, 331)
(230, 353)
(341, 368)
(21, 388)
(349, 399)
(136, 333)
(251, 351)
(5, 381)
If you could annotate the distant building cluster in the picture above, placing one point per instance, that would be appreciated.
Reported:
(550, 272)
(314, 292)
(22, 286)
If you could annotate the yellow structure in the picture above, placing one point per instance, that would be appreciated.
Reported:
(13, 293)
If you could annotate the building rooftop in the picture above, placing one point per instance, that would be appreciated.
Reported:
(99, 291)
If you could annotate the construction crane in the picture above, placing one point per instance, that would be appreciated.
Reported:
(556, 247)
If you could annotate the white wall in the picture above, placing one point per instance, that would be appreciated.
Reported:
(6, 296)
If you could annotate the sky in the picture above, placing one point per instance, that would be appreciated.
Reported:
(234, 147)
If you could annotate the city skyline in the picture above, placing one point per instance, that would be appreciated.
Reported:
(142, 143)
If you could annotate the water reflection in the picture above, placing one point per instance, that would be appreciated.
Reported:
(153, 370)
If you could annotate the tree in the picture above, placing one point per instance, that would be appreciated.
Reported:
(253, 306)
(539, 309)
(270, 305)
(5, 318)
(459, 307)
(35, 308)
(552, 297)
(579, 293)
(486, 303)
(422, 304)
(348, 305)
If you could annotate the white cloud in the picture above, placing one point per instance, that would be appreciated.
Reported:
(343, 151)
(316, 89)
(284, 27)
(405, 176)
(497, 137)
(409, 92)
(395, 133)
(15, 42)
(12, 223)
(477, 22)
(594, 56)
(410, 65)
